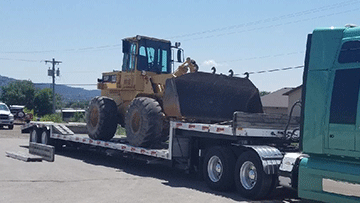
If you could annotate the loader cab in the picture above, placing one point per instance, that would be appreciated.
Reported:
(146, 54)
(332, 104)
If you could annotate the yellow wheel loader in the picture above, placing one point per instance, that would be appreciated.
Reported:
(147, 93)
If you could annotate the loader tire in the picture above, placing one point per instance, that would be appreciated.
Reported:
(101, 118)
(143, 122)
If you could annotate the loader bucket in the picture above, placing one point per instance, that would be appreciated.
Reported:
(210, 97)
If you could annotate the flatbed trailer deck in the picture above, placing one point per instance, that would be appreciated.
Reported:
(208, 149)
(58, 131)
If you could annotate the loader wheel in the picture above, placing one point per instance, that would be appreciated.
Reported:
(218, 168)
(101, 118)
(250, 179)
(143, 122)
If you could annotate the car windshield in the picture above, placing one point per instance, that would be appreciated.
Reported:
(3, 107)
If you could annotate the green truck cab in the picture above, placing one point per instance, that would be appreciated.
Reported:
(331, 116)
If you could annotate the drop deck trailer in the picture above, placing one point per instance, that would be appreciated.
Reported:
(247, 152)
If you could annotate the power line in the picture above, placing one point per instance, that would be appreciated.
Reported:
(243, 25)
(272, 25)
(263, 57)
(98, 48)
(25, 60)
(272, 70)
(273, 19)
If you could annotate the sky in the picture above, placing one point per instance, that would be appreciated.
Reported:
(243, 35)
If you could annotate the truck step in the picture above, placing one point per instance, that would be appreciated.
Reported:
(62, 129)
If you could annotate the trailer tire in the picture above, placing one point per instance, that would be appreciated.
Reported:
(250, 179)
(35, 135)
(143, 122)
(101, 118)
(218, 168)
(45, 137)
(11, 127)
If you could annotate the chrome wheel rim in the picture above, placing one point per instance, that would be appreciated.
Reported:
(248, 175)
(215, 169)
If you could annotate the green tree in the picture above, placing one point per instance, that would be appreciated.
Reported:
(77, 104)
(19, 92)
(263, 93)
(43, 102)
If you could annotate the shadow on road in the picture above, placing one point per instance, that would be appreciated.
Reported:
(171, 177)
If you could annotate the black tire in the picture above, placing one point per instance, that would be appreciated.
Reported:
(34, 135)
(218, 168)
(11, 127)
(250, 179)
(101, 118)
(20, 114)
(144, 122)
(45, 137)
(274, 183)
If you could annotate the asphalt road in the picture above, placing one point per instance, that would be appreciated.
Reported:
(86, 176)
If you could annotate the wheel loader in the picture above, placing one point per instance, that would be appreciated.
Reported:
(146, 94)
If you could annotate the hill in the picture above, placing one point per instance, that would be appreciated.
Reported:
(68, 93)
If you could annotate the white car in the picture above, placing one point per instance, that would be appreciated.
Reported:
(6, 117)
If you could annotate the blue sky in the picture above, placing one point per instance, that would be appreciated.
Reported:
(245, 36)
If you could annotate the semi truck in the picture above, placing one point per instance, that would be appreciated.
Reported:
(316, 154)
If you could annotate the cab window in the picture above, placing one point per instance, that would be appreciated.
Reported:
(350, 52)
(345, 95)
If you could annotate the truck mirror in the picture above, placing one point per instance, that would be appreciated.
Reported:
(126, 47)
(180, 56)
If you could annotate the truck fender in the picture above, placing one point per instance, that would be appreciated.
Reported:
(288, 170)
(270, 157)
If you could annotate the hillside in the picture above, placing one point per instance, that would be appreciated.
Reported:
(5, 80)
(68, 93)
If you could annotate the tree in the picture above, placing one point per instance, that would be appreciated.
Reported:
(263, 93)
(19, 92)
(43, 102)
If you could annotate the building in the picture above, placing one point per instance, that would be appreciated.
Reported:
(67, 114)
(294, 95)
(276, 102)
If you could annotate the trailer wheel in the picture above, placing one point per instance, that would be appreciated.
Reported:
(45, 137)
(143, 122)
(250, 179)
(35, 135)
(101, 118)
(218, 168)
(11, 127)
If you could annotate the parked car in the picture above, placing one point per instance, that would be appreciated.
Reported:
(6, 117)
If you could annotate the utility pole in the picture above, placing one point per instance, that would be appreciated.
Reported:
(51, 72)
